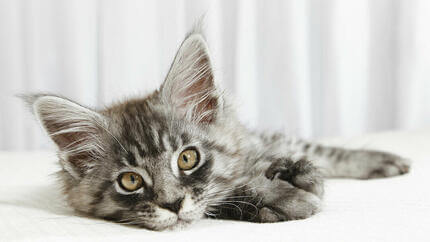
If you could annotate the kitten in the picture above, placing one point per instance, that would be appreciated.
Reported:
(180, 154)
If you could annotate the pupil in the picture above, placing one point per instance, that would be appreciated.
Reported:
(132, 179)
(184, 157)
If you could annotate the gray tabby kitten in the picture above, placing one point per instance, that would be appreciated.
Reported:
(180, 154)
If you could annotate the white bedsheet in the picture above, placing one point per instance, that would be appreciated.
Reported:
(395, 209)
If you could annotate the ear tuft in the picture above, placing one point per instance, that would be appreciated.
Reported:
(189, 85)
(76, 130)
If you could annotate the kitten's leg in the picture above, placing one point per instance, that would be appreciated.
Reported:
(297, 184)
(361, 164)
(265, 200)
(275, 190)
(299, 188)
(341, 162)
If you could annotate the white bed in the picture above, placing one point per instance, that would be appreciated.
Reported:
(395, 209)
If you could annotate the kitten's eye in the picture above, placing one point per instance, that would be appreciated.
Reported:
(130, 181)
(188, 159)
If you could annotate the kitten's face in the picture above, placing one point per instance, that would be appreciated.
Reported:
(153, 162)
(160, 175)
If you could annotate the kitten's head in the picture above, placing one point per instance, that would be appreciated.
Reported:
(152, 162)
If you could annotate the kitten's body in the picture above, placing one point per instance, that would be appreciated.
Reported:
(240, 174)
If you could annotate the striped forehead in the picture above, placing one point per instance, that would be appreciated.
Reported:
(147, 133)
(141, 148)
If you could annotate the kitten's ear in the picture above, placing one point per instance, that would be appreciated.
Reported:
(189, 85)
(76, 130)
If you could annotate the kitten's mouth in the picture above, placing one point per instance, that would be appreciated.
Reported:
(179, 224)
(176, 221)
(182, 220)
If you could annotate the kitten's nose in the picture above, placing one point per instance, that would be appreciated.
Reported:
(175, 206)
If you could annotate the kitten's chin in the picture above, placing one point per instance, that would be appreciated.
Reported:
(191, 216)
(180, 224)
(176, 223)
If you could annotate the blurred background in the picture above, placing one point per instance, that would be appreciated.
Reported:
(311, 68)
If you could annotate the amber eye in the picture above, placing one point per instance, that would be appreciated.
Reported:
(188, 159)
(130, 181)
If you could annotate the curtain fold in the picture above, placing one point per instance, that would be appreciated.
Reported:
(308, 68)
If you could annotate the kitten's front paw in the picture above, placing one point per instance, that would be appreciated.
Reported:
(383, 164)
(302, 174)
(294, 204)
(267, 215)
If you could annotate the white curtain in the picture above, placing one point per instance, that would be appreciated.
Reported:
(309, 68)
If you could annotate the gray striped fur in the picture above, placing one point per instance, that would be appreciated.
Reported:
(242, 174)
